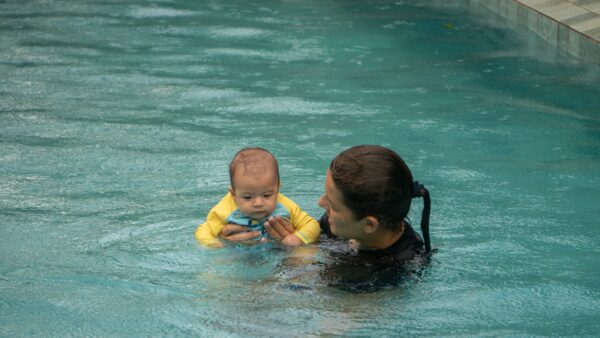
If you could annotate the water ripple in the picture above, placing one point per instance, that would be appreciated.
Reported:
(460, 174)
(237, 32)
(293, 106)
(157, 12)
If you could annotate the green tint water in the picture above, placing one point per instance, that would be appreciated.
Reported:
(118, 120)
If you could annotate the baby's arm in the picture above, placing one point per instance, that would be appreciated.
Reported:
(304, 227)
(307, 228)
(208, 232)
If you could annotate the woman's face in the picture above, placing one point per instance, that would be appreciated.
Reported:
(341, 219)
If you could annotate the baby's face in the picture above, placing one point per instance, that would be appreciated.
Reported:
(256, 196)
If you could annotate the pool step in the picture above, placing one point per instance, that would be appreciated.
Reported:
(571, 25)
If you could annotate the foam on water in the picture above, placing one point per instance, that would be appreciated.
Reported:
(157, 12)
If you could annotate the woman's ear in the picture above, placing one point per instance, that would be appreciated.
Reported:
(371, 225)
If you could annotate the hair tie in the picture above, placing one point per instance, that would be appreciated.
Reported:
(416, 189)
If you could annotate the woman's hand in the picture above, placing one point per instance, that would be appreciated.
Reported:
(280, 229)
(237, 233)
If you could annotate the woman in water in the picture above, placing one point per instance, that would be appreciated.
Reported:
(368, 194)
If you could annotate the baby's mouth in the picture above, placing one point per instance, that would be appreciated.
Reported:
(259, 215)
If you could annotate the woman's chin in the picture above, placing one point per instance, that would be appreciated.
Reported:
(332, 229)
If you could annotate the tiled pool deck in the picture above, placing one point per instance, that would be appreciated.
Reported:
(571, 25)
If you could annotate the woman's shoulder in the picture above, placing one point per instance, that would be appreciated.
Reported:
(407, 246)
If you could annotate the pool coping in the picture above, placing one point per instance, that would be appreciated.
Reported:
(570, 25)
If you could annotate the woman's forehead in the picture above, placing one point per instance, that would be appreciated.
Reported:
(332, 193)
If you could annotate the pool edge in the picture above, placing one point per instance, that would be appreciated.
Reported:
(570, 25)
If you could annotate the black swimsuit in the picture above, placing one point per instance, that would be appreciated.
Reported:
(370, 270)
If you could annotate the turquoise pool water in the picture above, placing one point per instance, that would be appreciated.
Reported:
(118, 120)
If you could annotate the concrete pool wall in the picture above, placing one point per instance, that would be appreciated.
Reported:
(571, 25)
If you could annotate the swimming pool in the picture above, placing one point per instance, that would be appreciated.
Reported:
(118, 120)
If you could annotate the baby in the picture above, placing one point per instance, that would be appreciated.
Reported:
(253, 197)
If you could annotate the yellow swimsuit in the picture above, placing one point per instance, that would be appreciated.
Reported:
(307, 228)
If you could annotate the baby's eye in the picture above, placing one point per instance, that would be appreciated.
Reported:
(247, 198)
(267, 195)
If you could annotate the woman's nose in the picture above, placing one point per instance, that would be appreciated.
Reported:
(322, 202)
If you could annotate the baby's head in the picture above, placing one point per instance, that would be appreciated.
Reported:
(254, 176)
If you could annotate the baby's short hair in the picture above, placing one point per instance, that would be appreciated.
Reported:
(254, 161)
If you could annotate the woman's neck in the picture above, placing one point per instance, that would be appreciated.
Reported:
(379, 240)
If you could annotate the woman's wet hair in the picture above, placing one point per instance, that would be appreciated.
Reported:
(253, 161)
(375, 181)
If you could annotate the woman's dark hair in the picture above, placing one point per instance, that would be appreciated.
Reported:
(375, 181)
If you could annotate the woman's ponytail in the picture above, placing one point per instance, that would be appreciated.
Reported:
(420, 191)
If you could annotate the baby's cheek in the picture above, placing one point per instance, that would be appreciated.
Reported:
(272, 207)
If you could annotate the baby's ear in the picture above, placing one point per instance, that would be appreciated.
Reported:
(231, 191)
